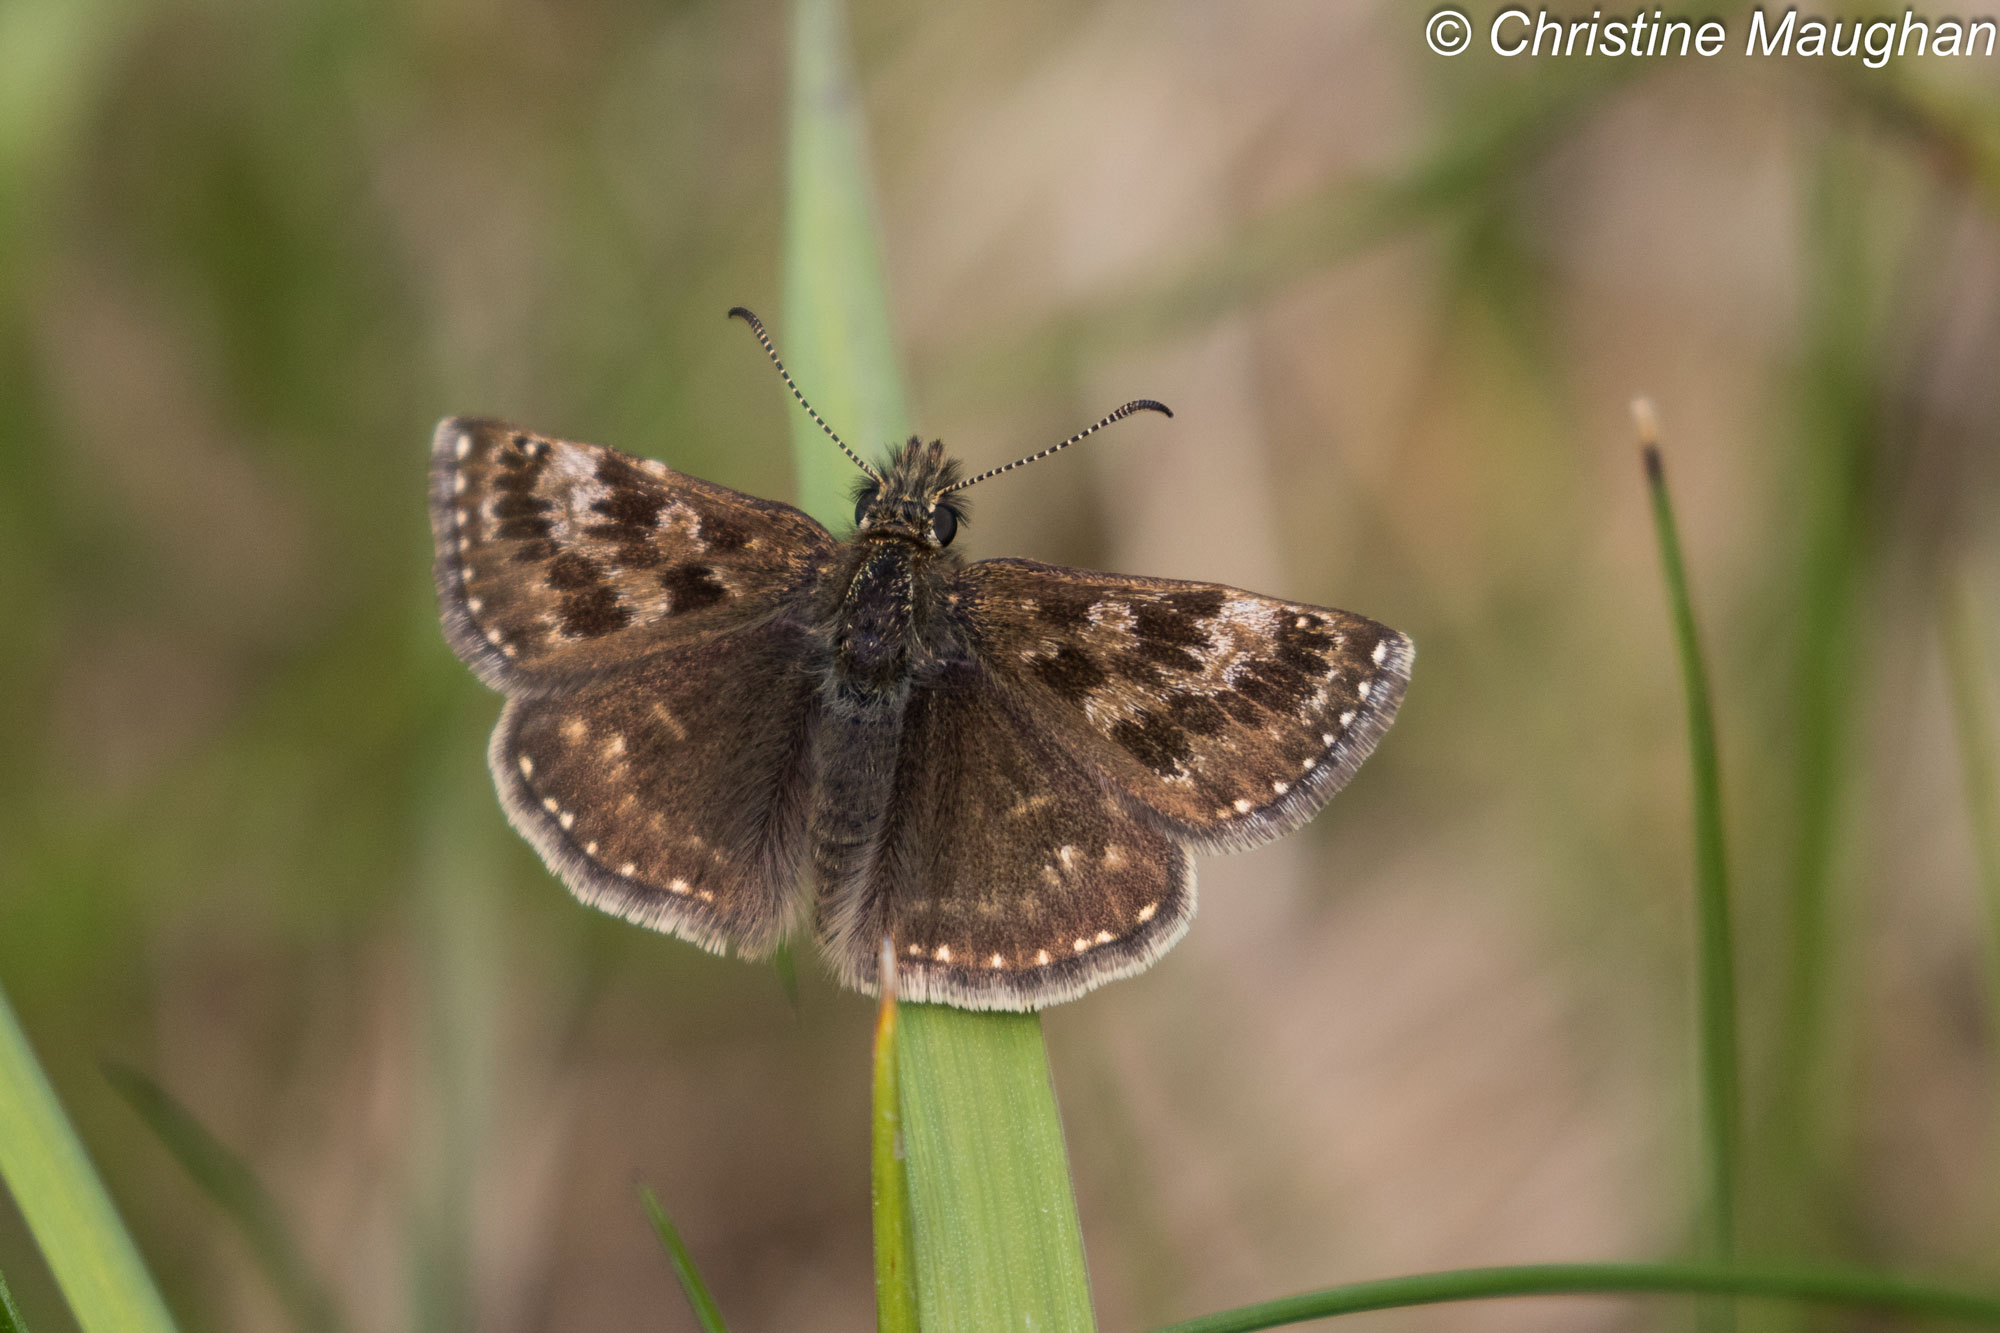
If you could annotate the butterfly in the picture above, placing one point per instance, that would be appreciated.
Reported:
(725, 723)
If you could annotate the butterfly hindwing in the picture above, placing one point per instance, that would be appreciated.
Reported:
(1005, 874)
(1232, 716)
(673, 792)
(555, 559)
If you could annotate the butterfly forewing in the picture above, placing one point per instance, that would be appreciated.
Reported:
(1232, 716)
(673, 792)
(556, 559)
(1006, 875)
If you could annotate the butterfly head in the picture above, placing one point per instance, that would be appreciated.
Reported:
(909, 499)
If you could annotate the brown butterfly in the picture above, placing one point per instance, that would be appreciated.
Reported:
(1001, 767)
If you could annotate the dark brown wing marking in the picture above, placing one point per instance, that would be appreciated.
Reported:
(557, 559)
(1005, 874)
(1232, 716)
(673, 792)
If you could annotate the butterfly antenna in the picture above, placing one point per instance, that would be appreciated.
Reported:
(1136, 405)
(757, 327)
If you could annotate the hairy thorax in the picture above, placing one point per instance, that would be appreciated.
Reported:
(887, 623)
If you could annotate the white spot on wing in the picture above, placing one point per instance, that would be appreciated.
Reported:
(1104, 937)
(1079, 945)
(1346, 720)
(1381, 652)
(1067, 855)
(1041, 958)
(943, 954)
(464, 445)
(996, 961)
(527, 767)
(1146, 912)
(549, 804)
(679, 885)
(628, 870)
(567, 819)
(1364, 687)
(1281, 787)
(1242, 806)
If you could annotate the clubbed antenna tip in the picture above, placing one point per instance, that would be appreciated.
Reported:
(1136, 405)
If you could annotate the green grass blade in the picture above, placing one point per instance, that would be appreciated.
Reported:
(10, 1316)
(997, 1242)
(837, 333)
(1716, 951)
(706, 1312)
(895, 1271)
(1972, 719)
(234, 1188)
(461, 979)
(1869, 1290)
(1806, 1142)
(65, 1204)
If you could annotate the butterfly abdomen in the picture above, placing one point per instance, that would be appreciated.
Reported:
(855, 755)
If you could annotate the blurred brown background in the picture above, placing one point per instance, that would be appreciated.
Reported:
(1399, 304)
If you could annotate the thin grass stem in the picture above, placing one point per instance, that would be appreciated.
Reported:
(1972, 720)
(706, 1312)
(1870, 1290)
(1715, 950)
(235, 1189)
(1806, 1148)
(64, 1203)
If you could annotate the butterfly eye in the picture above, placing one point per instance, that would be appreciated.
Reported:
(863, 501)
(944, 525)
